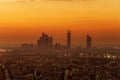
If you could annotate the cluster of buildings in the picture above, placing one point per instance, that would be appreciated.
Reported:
(58, 66)
(46, 41)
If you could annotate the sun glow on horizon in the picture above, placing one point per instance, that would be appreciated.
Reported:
(93, 17)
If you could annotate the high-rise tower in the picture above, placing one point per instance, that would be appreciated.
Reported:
(68, 38)
(89, 41)
(45, 41)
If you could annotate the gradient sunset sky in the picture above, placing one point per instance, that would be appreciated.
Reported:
(25, 20)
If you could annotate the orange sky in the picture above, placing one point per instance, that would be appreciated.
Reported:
(23, 21)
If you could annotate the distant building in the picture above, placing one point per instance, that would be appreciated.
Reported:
(50, 41)
(27, 45)
(57, 45)
(45, 41)
(69, 38)
(89, 41)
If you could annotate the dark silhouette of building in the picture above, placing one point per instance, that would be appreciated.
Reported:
(50, 41)
(68, 38)
(45, 41)
(27, 45)
(89, 41)
(57, 45)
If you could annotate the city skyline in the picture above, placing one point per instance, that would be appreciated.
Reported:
(64, 40)
(46, 41)
(23, 21)
(59, 39)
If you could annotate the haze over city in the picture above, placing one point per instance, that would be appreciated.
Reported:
(24, 21)
(59, 40)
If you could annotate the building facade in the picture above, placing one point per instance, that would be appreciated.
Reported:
(89, 41)
(45, 41)
(69, 38)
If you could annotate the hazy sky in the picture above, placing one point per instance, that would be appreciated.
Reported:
(24, 20)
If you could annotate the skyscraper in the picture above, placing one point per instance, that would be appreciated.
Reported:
(89, 41)
(50, 41)
(45, 41)
(68, 38)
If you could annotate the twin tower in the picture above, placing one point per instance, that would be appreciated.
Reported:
(88, 40)
(46, 41)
